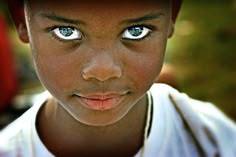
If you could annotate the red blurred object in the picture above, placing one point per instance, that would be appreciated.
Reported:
(8, 78)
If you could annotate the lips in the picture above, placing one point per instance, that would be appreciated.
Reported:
(99, 101)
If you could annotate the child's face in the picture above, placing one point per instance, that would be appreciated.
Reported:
(98, 59)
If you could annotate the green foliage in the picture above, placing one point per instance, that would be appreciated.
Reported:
(203, 52)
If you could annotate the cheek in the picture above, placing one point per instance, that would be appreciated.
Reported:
(57, 73)
(147, 58)
(145, 66)
(147, 69)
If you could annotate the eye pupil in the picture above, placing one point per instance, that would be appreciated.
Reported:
(66, 31)
(135, 31)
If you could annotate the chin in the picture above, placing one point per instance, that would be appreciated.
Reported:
(97, 121)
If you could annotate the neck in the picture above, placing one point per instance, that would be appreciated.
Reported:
(75, 137)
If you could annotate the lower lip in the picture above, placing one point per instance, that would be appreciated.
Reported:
(101, 105)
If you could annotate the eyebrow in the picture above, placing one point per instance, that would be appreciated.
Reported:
(61, 19)
(148, 17)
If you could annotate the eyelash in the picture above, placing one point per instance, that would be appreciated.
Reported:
(150, 27)
(52, 34)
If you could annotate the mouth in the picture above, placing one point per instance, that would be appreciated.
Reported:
(100, 101)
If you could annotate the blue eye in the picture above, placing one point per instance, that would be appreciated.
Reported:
(136, 32)
(67, 33)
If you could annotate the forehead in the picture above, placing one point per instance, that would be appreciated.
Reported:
(97, 4)
(103, 10)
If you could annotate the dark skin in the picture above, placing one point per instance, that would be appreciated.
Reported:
(99, 74)
(113, 140)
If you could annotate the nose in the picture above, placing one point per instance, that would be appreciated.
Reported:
(102, 67)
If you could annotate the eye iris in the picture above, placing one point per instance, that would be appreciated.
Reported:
(65, 31)
(135, 31)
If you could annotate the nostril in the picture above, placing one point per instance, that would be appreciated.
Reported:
(84, 75)
(102, 66)
(101, 72)
(117, 71)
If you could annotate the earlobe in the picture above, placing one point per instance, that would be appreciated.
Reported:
(22, 32)
(171, 30)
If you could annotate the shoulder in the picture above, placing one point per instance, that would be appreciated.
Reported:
(212, 128)
(206, 111)
(17, 134)
(188, 104)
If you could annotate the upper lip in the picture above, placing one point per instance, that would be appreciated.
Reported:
(101, 96)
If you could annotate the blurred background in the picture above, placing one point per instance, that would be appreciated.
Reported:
(200, 59)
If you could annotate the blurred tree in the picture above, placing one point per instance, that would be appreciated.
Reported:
(203, 52)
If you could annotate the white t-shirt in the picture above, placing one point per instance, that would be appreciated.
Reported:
(181, 127)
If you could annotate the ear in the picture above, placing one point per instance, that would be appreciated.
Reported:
(176, 5)
(171, 29)
(22, 32)
(17, 13)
